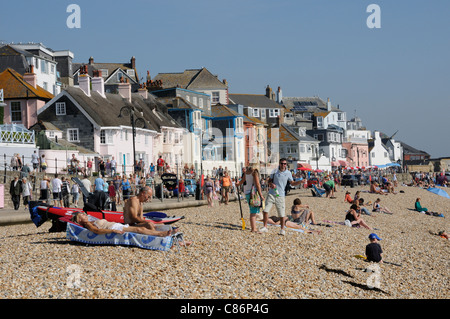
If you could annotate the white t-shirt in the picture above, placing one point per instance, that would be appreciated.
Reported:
(56, 185)
(26, 189)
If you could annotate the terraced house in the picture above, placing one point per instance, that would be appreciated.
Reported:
(127, 126)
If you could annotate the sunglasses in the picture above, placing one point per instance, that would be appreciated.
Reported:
(283, 163)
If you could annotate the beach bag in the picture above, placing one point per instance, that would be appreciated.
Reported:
(255, 200)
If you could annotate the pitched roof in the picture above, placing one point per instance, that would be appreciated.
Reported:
(287, 134)
(254, 101)
(111, 67)
(308, 104)
(104, 111)
(220, 110)
(407, 149)
(191, 79)
(15, 87)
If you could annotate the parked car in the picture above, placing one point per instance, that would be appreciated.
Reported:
(190, 185)
(349, 180)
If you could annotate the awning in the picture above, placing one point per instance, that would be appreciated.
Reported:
(335, 164)
(304, 167)
(343, 163)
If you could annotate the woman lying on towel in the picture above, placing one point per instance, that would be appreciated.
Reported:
(102, 226)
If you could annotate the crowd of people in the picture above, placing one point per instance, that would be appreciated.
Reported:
(249, 187)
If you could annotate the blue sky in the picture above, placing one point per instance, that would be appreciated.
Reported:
(394, 78)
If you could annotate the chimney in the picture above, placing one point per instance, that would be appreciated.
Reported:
(143, 92)
(84, 82)
(269, 92)
(30, 77)
(133, 62)
(91, 60)
(125, 90)
(98, 84)
(279, 95)
(328, 105)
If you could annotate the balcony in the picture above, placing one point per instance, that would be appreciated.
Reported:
(16, 134)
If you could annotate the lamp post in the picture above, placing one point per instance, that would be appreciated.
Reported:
(139, 122)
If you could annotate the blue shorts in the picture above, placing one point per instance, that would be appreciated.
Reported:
(253, 210)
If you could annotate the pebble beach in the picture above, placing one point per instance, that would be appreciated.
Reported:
(227, 262)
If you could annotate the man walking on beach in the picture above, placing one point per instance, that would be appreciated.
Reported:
(277, 184)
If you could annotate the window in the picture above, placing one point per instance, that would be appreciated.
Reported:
(45, 86)
(104, 72)
(302, 148)
(196, 116)
(318, 137)
(239, 125)
(44, 66)
(194, 100)
(16, 112)
(52, 68)
(319, 121)
(200, 103)
(72, 135)
(263, 113)
(215, 97)
(130, 72)
(61, 108)
(102, 137)
(255, 113)
(274, 112)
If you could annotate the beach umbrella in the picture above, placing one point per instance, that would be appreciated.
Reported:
(438, 191)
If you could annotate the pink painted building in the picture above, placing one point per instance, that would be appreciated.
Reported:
(357, 148)
(23, 97)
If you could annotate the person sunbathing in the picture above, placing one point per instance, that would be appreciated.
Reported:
(375, 189)
(301, 213)
(275, 220)
(419, 207)
(378, 208)
(102, 226)
(353, 217)
(348, 198)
